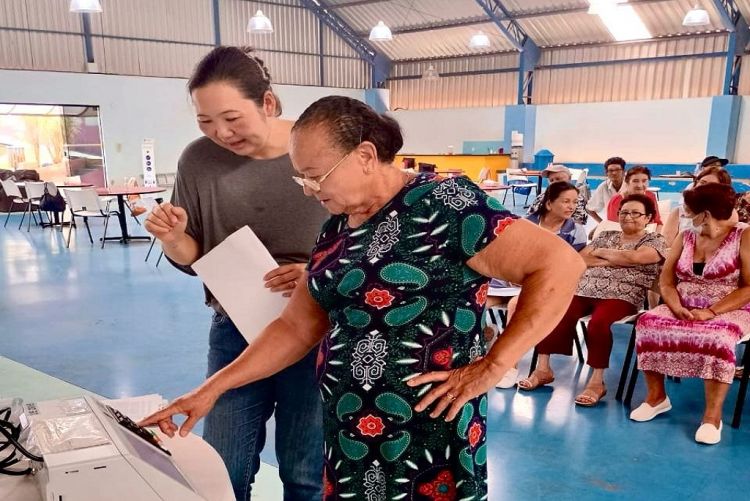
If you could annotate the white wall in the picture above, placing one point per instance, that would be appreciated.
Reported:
(432, 131)
(742, 151)
(664, 131)
(134, 108)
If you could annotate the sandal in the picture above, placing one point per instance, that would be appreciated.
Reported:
(533, 382)
(589, 397)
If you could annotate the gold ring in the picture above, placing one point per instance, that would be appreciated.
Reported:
(450, 396)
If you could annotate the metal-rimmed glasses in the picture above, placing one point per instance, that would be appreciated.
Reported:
(313, 184)
(631, 214)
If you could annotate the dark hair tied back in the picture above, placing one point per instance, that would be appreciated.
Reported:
(349, 122)
(553, 192)
(239, 67)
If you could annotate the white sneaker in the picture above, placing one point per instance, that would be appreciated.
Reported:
(709, 434)
(645, 412)
(509, 379)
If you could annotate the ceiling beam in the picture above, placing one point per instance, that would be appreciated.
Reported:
(739, 36)
(473, 21)
(355, 3)
(381, 65)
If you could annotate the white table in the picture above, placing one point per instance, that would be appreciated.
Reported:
(199, 462)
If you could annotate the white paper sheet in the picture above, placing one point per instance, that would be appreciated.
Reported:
(233, 271)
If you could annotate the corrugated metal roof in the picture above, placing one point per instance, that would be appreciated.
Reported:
(176, 20)
(744, 6)
(547, 22)
(400, 13)
(442, 43)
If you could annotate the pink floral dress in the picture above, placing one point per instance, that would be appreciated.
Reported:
(691, 348)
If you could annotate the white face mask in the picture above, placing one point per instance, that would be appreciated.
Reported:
(696, 227)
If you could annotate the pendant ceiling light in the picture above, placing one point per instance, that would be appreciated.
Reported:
(259, 24)
(430, 74)
(381, 33)
(696, 17)
(479, 41)
(85, 6)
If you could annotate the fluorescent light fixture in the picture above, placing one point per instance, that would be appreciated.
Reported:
(696, 17)
(479, 40)
(85, 6)
(381, 33)
(430, 74)
(259, 24)
(624, 23)
(597, 6)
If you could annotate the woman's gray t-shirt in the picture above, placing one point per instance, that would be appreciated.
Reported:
(223, 192)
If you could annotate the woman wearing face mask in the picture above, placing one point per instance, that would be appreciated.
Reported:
(705, 285)
(677, 222)
(236, 175)
(396, 288)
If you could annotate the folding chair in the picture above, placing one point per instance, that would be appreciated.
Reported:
(14, 195)
(34, 193)
(519, 183)
(85, 203)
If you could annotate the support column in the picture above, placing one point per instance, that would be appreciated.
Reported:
(521, 118)
(723, 125)
(378, 99)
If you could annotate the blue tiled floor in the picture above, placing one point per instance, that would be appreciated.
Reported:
(107, 321)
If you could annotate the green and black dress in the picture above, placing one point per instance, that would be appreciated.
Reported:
(401, 302)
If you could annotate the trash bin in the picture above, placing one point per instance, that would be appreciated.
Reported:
(542, 159)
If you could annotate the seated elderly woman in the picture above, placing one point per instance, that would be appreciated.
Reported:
(622, 267)
(556, 173)
(677, 222)
(705, 285)
(555, 213)
(637, 179)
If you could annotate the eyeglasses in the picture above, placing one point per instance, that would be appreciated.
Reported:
(313, 184)
(630, 214)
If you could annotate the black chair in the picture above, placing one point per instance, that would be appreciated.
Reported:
(423, 167)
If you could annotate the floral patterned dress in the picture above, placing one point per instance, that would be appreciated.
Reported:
(401, 301)
(691, 348)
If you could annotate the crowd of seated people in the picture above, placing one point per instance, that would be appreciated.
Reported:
(699, 262)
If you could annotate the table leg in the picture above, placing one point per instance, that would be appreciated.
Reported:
(125, 237)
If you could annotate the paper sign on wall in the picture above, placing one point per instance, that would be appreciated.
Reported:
(149, 171)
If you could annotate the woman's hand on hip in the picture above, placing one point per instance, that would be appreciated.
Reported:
(458, 387)
(285, 278)
(167, 222)
(194, 405)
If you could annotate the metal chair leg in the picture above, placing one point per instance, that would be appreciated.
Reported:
(534, 358)
(626, 365)
(70, 231)
(88, 229)
(104, 237)
(22, 217)
(151, 247)
(10, 209)
(631, 384)
(577, 343)
(742, 392)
